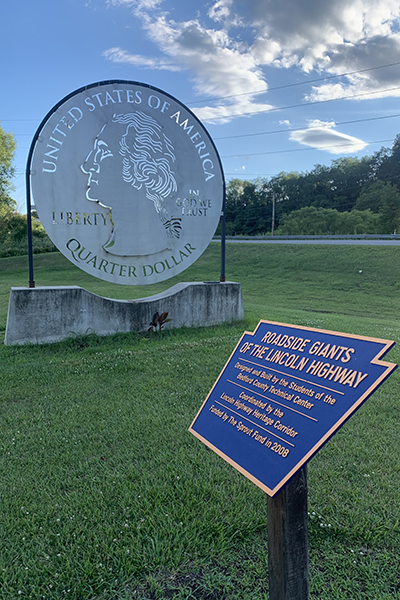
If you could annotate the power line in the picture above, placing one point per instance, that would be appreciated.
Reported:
(19, 120)
(298, 149)
(18, 172)
(240, 175)
(289, 85)
(228, 137)
(345, 190)
(258, 133)
(313, 102)
(243, 135)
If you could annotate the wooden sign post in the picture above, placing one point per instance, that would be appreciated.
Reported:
(288, 541)
(282, 394)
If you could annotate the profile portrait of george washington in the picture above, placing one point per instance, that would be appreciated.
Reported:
(130, 171)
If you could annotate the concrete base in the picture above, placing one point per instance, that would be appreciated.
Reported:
(50, 314)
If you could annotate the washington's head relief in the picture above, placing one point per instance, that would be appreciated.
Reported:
(130, 170)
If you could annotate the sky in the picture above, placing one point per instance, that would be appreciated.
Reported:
(280, 86)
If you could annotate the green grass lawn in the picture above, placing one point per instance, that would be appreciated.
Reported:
(104, 494)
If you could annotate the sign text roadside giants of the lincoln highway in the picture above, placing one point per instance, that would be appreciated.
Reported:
(283, 393)
(127, 182)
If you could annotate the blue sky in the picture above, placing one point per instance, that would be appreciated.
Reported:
(280, 86)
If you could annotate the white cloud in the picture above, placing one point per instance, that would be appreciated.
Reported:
(322, 136)
(331, 37)
(226, 112)
(335, 37)
(249, 38)
(118, 55)
(298, 25)
(138, 5)
(368, 82)
(219, 67)
(220, 10)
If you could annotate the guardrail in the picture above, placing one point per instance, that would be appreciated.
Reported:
(356, 236)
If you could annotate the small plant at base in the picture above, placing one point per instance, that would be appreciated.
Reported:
(159, 320)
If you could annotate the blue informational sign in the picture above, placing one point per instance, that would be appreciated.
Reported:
(283, 393)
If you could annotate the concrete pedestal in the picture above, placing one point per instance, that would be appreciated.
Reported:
(50, 314)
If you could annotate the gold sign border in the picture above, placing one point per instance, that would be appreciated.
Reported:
(390, 367)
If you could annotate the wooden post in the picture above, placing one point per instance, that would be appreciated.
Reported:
(288, 541)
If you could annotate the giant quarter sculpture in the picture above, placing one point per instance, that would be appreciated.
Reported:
(127, 182)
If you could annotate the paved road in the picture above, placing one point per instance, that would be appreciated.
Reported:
(320, 241)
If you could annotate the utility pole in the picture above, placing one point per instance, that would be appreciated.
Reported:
(273, 214)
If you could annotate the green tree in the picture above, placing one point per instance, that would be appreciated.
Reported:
(372, 195)
(348, 175)
(247, 209)
(286, 189)
(336, 186)
(389, 168)
(14, 237)
(347, 185)
(382, 198)
(13, 226)
(390, 211)
(311, 220)
(7, 171)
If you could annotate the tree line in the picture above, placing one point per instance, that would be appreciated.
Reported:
(13, 225)
(348, 197)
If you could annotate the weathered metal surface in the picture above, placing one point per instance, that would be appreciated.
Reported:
(127, 182)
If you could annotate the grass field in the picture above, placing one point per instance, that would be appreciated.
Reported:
(104, 495)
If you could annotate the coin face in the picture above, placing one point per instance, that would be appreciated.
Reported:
(126, 182)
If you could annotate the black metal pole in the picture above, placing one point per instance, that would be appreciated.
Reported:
(29, 220)
(223, 237)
